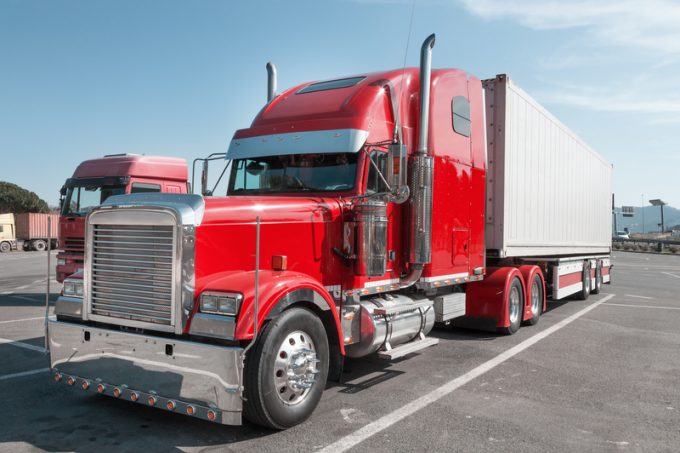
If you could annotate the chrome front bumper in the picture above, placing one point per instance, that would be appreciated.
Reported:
(191, 378)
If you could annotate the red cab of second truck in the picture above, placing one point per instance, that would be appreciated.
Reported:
(95, 180)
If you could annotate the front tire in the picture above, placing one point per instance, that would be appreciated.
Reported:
(5, 247)
(286, 370)
(515, 305)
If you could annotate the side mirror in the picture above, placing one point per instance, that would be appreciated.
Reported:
(396, 172)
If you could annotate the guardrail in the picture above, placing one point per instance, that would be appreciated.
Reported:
(651, 245)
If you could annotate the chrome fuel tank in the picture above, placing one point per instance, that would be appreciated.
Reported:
(391, 319)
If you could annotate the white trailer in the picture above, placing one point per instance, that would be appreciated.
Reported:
(548, 193)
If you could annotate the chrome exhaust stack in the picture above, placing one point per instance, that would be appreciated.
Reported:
(271, 81)
(421, 179)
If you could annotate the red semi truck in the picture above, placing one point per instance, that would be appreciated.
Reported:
(360, 211)
(95, 180)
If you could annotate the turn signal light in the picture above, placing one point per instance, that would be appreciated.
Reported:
(170, 405)
(134, 396)
(116, 392)
(212, 416)
(101, 388)
(70, 380)
(151, 400)
(191, 410)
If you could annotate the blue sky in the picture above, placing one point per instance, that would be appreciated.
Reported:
(80, 79)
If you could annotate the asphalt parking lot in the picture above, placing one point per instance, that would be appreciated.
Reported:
(599, 375)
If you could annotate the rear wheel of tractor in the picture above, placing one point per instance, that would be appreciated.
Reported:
(598, 278)
(5, 247)
(39, 245)
(585, 278)
(536, 298)
(515, 303)
(286, 370)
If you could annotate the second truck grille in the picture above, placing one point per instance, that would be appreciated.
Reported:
(132, 272)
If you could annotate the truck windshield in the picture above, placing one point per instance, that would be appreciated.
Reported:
(293, 173)
(81, 200)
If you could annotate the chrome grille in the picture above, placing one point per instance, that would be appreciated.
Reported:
(132, 272)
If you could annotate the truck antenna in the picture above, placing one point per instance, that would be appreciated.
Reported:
(403, 70)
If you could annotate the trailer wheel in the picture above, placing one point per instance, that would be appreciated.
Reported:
(536, 297)
(515, 305)
(286, 370)
(585, 278)
(598, 278)
(39, 245)
(5, 247)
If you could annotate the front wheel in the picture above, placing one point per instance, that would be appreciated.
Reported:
(286, 370)
(5, 247)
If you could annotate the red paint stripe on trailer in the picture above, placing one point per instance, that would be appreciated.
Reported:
(570, 279)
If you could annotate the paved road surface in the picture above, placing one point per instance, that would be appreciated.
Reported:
(600, 375)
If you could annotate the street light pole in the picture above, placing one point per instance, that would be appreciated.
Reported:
(642, 203)
(660, 203)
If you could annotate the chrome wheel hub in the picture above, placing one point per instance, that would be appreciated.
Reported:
(295, 368)
(515, 304)
(535, 298)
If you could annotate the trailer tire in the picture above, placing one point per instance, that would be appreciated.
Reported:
(39, 245)
(598, 278)
(585, 279)
(536, 298)
(284, 357)
(514, 301)
(5, 247)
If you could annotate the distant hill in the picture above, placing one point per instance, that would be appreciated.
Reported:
(652, 218)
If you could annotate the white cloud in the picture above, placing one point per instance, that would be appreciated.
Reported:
(652, 25)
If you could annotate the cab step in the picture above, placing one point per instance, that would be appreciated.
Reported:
(407, 348)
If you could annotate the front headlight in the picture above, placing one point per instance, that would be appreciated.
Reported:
(73, 287)
(61, 262)
(220, 303)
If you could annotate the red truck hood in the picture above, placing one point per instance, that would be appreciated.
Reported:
(270, 209)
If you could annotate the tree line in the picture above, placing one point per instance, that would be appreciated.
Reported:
(18, 200)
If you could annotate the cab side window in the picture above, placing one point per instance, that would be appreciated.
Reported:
(374, 183)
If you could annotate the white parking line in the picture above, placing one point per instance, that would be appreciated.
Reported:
(671, 274)
(19, 320)
(643, 306)
(24, 373)
(639, 297)
(20, 344)
(390, 419)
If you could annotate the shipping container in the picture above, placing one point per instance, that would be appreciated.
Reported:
(32, 229)
(548, 193)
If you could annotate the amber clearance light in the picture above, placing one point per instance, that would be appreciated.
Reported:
(279, 262)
